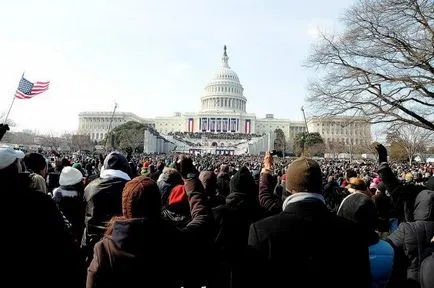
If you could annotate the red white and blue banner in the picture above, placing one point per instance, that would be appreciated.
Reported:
(247, 129)
(190, 127)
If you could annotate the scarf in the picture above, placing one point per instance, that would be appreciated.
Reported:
(302, 196)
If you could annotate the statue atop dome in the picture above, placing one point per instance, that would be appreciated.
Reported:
(225, 58)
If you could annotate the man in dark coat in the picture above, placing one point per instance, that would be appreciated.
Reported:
(233, 220)
(306, 245)
(38, 251)
(103, 198)
(223, 179)
(412, 238)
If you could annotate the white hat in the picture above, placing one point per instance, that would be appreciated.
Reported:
(8, 156)
(70, 176)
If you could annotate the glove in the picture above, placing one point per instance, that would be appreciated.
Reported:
(3, 129)
(382, 153)
(185, 167)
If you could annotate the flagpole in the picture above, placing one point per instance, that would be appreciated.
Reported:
(12, 104)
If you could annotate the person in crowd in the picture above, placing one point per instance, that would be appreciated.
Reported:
(160, 167)
(427, 267)
(412, 238)
(223, 179)
(357, 185)
(270, 202)
(306, 245)
(175, 207)
(69, 200)
(38, 250)
(359, 208)
(209, 182)
(387, 221)
(333, 194)
(103, 198)
(280, 189)
(233, 220)
(139, 245)
(36, 165)
(403, 196)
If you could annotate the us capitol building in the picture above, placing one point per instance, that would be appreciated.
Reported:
(223, 110)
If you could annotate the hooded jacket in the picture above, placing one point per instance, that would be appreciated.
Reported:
(103, 198)
(233, 220)
(413, 238)
(358, 208)
(139, 250)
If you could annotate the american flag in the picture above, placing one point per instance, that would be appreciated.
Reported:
(27, 89)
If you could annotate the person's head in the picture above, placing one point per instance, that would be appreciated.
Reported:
(358, 185)
(330, 179)
(116, 161)
(160, 166)
(350, 173)
(209, 182)
(361, 209)
(141, 199)
(424, 206)
(224, 168)
(243, 182)
(36, 163)
(304, 175)
(10, 164)
(70, 176)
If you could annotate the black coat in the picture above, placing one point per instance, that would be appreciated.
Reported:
(103, 201)
(233, 220)
(37, 249)
(307, 246)
(413, 238)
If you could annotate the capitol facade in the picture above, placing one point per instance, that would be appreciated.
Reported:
(223, 110)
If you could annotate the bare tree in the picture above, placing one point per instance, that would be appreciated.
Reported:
(9, 121)
(413, 140)
(380, 66)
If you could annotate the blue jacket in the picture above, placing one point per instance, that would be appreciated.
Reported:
(381, 257)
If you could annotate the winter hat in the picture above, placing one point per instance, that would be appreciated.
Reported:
(9, 155)
(243, 182)
(430, 183)
(361, 209)
(145, 164)
(70, 176)
(209, 182)
(178, 195)
(116, 161)
(304, 175)
(424, 206)
(141, 198)
(76, 166)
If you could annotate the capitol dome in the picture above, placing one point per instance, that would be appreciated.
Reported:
(224, 91)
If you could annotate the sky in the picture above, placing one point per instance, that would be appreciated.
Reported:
(154, 58)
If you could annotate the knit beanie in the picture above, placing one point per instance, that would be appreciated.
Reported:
(304, 175)
(141, 198)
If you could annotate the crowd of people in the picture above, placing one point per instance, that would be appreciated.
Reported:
(217, 221)
(210, 135)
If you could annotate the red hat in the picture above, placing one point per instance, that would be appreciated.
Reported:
(284, 178)
(145, 164)
(177, 195)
